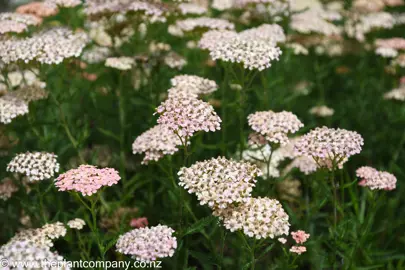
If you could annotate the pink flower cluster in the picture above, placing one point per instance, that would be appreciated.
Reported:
(394, 43)
(185, 116)
(299, 237)
(329, 145)
(375, 179)
(155, 143)
(148, 244)
(87, 179)
(191, 86)
(275, 126)
(16, 22)
(139, 222)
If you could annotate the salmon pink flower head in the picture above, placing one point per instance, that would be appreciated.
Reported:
(39, 9)
(148, 244)
(375, 179)
(87, 179)
(139, 222)
(300, 236)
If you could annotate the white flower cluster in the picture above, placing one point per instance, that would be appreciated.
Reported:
(276, 10)
(11, 107)
(153, 12)
(322, 111)
(386, 52)
(29, 93)
(121, 63)
(191, 24)
(255, 47)
(148, 244)
(315, 21)
(275, 126)
(155, 143)
(63, 3)
(253, 54)
(185, 116)
(272, 33)
(54, 230)
(96, 54)
(16, 22)
(7, 188)
(41, 237)
(36, 166)
(191, 86)
(33, 256)
(20, 78)
(359, 25)
(33, 246)
(328, 146)
(375, 179)
(298, 49)
(257, 217)
(222, 4)
(76, 223)
(174, 60)
(210, 39)
(396, 94)
(150, 11)
(242, 3)
(219, 182)
(47, 47)
(191, 8)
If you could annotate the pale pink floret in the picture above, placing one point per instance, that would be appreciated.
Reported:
(375, 179)
(298, 249)
(282, 240)
(185, 116)
(87, 179)
(275, 126)
(148, 244)
(156, 142)
(393, 43)
(329, 146)
(300, 236)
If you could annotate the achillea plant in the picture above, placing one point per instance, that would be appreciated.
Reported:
(200, 106)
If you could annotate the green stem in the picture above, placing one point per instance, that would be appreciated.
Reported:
(122, 120)
(65, 126)
(223, 110)
(93, 222)
(269, 162)
(95, 228)
(334, 198)
(223, 237)
(41, 204)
